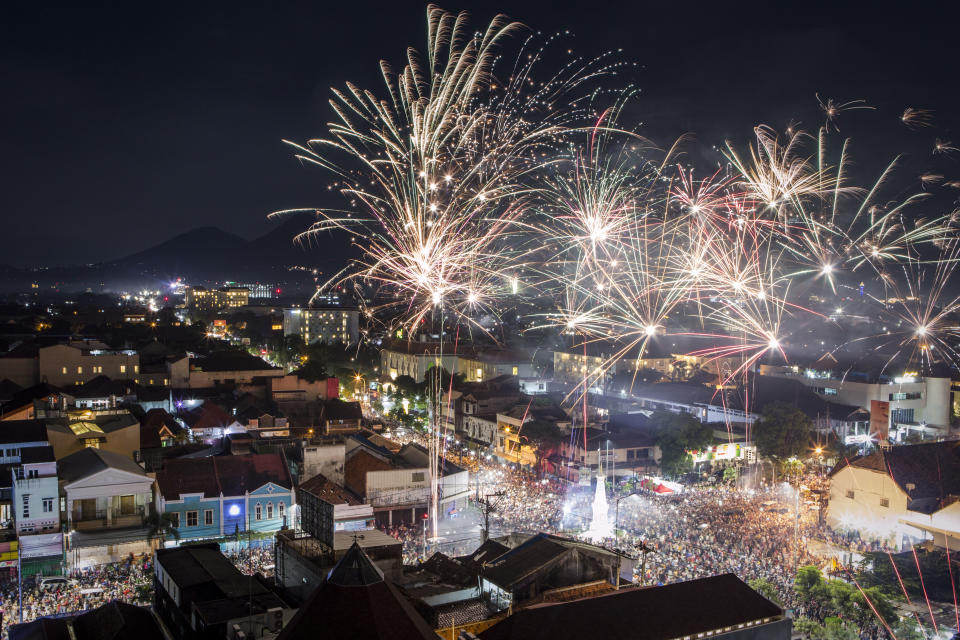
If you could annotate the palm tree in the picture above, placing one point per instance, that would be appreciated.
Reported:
(159, 526)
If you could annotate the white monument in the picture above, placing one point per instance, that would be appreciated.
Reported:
(600, 523)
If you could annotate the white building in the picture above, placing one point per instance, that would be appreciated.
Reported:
(915, 402)
(326, 324)
(902, 494)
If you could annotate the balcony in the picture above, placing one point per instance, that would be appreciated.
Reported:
(87, 520)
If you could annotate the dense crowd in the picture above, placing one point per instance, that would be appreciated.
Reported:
(705, 530)
(129, 581)
(251, 560)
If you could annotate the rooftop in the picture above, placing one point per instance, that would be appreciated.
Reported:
(89, 461)
(328, 491)
(929, 473)
(516, 564)
(356, 603)
(230, 361)
(229, 475)
(679, 610)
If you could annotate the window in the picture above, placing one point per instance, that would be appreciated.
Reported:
(850, 494)
(123, 368)
(269, 511)
(829, 391)
(176, 519)
(208, 517)
(280, 508)
(258, 512)
(479, 374)
(136, 368)
(79, 369)
(915, 395)
(516, 370)
(48, 505)
(26, 505)
(191, 518)
(63, 370)
(417, 477)
(884, 502)
(898, 416)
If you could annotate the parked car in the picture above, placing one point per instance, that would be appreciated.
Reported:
(51, 583)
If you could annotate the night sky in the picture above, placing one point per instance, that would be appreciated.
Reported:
(124, 125)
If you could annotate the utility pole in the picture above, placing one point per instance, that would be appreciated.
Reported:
(644, 550)
(488, 507)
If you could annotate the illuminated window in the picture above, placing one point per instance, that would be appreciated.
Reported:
(79, 369)
(479, 373)
(64, 370)
(516, 370)
(136, 368)
(123, 368)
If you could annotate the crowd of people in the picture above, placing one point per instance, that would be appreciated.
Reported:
(128, 581)
(252, 559)
(705, 530)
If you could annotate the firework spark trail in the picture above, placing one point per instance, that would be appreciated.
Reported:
(905, 594)
(924, 587)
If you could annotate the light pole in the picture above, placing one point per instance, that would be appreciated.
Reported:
(616, 533)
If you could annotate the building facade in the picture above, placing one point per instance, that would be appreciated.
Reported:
(226, 495)
(203, 299)
(326, 324)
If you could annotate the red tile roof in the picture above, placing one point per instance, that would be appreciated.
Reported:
(229, 475)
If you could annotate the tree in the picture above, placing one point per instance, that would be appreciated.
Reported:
(160, 526)
(765, 588)
(782, 432)
(676, 434)
(806, 581)
(838, 629)
(406, 385)
(863, 613)
(809, 629)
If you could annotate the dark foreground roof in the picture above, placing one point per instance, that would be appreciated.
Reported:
(515, 565)
(356, 603)
(112, 621)
(674, 611)
(117, 621)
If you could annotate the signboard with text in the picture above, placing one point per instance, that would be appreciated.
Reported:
(879, 420)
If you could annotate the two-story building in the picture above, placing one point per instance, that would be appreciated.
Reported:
(397, 484)
(900, 495)
(409, 358)
(78, 362)
(225, 495)
(36, 511)
(911, 402)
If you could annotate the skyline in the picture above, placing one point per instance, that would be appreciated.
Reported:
(126, 129)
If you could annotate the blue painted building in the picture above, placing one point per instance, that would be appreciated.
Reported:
(223, 495)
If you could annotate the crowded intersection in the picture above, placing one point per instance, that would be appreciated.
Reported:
(760, 533)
